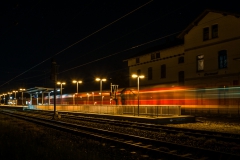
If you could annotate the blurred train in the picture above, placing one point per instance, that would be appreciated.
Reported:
(222, 99)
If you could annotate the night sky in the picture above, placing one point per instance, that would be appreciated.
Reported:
(86, 38)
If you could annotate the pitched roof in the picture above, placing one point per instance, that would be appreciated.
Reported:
(200, 17)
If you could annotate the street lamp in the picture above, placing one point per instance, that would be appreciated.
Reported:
(3, 97)
(93, 97)
(9, 95)
(101, 80)
(138, 77)
(21, 90)
(15, 96)
(88, 98)
(75, 81)
(61, 83)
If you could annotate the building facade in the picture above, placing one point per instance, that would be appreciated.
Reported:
(208, 57)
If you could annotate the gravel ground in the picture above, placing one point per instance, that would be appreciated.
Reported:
(26, 140)
(219, 124)
(22, 140)
(181, 138)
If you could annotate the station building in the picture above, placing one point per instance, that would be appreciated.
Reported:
(206, 55)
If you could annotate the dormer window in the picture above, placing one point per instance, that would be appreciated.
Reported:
(214, 31)
(137, 60)
(181, 60)
(153, 56)
(158, 55)
(206, 33)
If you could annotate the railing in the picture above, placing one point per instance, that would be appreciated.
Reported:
(229, 110)
(131, 110)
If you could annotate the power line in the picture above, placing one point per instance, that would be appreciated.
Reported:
(79, 41)
(172, 11)
(136, 46)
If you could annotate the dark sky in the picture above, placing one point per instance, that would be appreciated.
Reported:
(79, 34)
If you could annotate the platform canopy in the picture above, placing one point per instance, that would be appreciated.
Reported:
(37, 90)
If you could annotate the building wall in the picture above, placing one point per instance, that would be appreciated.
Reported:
(228, 38)
(169, 57)
(228, 28)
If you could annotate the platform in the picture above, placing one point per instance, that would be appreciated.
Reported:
(140, 119)
(163, 119)
(13, 107)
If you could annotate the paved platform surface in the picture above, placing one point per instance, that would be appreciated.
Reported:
(141, 119)
(17, 107)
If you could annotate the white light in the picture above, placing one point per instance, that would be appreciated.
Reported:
(134, 76)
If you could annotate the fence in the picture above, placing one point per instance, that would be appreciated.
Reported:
(132, 110)
(211, 111)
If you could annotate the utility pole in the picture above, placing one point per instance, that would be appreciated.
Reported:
(54, 79)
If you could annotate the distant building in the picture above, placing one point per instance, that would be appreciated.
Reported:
(208, 56)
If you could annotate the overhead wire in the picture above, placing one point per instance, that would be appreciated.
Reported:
(136, 46)
(172, 11)
(78, 41)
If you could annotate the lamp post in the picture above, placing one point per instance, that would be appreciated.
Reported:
(4, 98)
(21, 90)
(61, 83)
(101, 80)
(88, 98)
(93, 97)
(73, 99)
(138, 77)
(77, 82)
(102, 99)
(15, 96)
(9, 95)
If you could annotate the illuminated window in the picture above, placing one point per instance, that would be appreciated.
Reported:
(215, 31)
(206, 33)
(181, 60)
(200, 63)
(158, 55)
(139, 72)
(222, 59)
(153, 56)
(137, 60)
(150, 73)
(181, 77)
(163, 71)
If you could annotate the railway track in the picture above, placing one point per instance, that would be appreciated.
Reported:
(154, 148)
(220, 136)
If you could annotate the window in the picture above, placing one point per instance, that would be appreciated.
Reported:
(181, 60)
(206, 33)
(137, 60)
(222, 59)
(139, 72)
(150, 73)
(181, 77)
(152, 56)
(215, 31)
(158, 55)
(163, 71)
(235, 82)
(200, 63)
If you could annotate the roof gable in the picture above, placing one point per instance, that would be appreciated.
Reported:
(200, 17)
